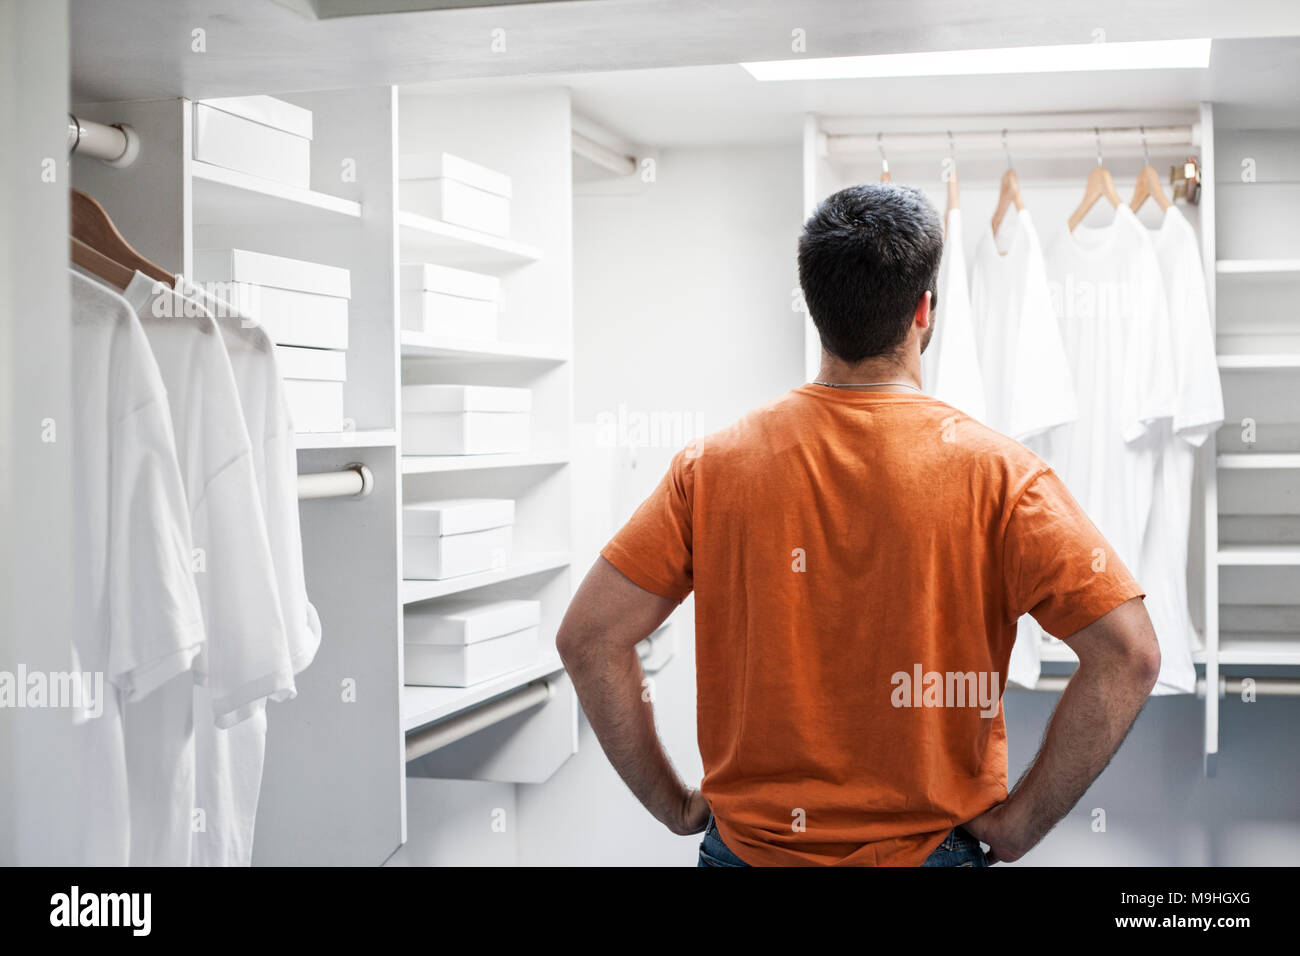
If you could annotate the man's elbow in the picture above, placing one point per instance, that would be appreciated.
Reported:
(573, 645)
(1147, 664)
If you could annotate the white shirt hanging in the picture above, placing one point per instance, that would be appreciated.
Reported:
(950, 368)
(247, 660)
(139, 621)
(1027, 377)
(1109, 300)
(1197, 412)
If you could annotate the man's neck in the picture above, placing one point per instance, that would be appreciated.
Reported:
(893, 374)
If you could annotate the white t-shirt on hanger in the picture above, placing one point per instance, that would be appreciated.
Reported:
(1109, 299)
(235, 780)
(275, 461)
(1027, 378)
(950, 369)
(1197, 412)
(139, 621)
(247, 661)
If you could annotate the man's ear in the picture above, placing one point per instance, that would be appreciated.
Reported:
(923, 317)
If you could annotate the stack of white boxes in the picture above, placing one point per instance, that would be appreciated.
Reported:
(442, 301)
(446, 187)
(464, 419)
(456, 536)
(258, 135)
(459, 643)
(303, 306)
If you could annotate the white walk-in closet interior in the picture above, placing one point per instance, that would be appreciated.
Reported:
(360, 764)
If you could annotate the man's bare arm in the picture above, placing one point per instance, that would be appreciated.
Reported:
(1119, 661)
(597, 642)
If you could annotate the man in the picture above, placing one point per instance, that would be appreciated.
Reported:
(860, 554)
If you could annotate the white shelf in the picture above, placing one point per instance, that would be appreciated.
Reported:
(1262, 460)
(431, 240)
(431, 464)
(365, 438)
(420, 345)
(1256, 266)
(1260, 555)
(423, 705)
(520, 567)
(1254, 650)
(1252, 361)
(225, 196)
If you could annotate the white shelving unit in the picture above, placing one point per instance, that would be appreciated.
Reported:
(534, 351)
(1252, 505)
(335, 779)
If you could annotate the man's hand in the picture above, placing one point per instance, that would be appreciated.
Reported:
(694, 815)
(1006, 841)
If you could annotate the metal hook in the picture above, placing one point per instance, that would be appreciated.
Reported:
(1146, 156)
(1097, 131)
(880, 145)
(1007, 149)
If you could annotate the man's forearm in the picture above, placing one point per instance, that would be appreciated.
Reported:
(1095, 712)
(611, 688)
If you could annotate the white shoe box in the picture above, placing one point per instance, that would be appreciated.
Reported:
(280, 272)
(468, 621)
(444, 186)
(448, 538)
(439, 300)
(316, 365)
(315, 406)
(439, 665)
(292, 318)
(433, 558)
(465, 419)
(461, 642)
(258, 135)
(297, 302)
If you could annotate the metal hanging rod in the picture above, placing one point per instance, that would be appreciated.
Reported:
(354, 481)
(1266, 686)
(429, 739)
(116, 145)
(1082, 140)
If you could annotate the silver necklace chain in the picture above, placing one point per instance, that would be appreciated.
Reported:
(865, 385)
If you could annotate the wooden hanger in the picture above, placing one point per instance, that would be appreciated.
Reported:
(1008, 192)
(1099, 184)
(96, 263)
(1148, 182)
(92, 226)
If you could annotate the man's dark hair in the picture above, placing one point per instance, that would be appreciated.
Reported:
(866, 257)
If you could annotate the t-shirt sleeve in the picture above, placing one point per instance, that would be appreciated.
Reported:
(1057, 565)
(154, 618)
(284, 532)
(1150, 374)
(653, 549)
(248, 659)
(1042, 385)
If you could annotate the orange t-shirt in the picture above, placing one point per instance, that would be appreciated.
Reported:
(859, 562)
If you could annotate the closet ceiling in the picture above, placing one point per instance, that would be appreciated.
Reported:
(140, 49)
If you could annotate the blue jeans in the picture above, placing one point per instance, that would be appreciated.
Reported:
(958, 848)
